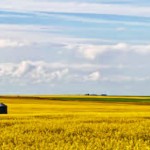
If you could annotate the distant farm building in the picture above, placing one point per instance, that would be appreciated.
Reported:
(103, 94)
(3, 108)
(91, 94)
(95, 94)
(87, 94)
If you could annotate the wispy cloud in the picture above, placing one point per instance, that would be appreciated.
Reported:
(75, 7)
(26, 27)
(101, 18)
(123, 78)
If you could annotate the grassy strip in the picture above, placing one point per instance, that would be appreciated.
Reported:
(81, 98)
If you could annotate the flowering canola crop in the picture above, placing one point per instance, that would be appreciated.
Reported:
(74, 125)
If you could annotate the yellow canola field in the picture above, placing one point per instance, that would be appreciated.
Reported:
(74, 125)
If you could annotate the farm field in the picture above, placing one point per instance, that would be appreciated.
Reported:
(75, 123)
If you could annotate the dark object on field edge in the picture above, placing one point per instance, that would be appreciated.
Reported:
(3, 108)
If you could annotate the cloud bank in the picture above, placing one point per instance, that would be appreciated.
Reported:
(39, 72)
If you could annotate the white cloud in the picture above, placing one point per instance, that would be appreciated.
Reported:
(40, 75)
(24, 68)
(34, 72)
(141, 49)
(6, 69)
(95, 76)
(92, 51)
(4, 43)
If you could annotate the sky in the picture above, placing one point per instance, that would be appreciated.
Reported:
(75, 47)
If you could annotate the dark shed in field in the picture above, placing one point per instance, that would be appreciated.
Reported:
(3, 108)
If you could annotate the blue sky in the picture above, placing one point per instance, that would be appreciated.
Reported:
(75, 47)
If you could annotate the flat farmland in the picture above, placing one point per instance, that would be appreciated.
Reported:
(75, 123)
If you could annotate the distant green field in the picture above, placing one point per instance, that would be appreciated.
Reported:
(83, 98)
